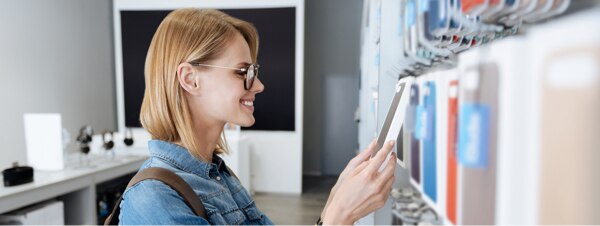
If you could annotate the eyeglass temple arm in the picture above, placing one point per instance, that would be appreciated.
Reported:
(233, 68)
(208, 65)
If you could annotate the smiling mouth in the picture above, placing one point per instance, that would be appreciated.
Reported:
(248, 104)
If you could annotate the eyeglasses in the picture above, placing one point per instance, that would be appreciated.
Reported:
(250, 72)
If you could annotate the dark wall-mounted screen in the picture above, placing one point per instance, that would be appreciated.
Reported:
(274, 108)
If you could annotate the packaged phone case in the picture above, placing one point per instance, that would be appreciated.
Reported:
(477, 139)
(415, 144)
(452, 143)
(567, 69)
(428, 119)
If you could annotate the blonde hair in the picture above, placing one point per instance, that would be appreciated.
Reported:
(185, 35)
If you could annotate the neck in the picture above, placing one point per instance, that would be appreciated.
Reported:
(208, 135)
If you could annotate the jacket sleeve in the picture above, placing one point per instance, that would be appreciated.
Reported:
(153, 202)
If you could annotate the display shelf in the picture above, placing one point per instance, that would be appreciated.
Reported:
(488, 146)
(75, 185)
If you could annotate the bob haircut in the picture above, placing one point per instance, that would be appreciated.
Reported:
(185, 35)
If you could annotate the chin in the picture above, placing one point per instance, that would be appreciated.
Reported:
(247, 123)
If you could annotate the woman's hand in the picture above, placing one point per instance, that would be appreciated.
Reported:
(360, 158)
(361, 188)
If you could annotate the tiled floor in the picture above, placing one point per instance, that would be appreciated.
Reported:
(302, 209)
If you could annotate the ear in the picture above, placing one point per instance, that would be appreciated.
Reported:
(188, 79)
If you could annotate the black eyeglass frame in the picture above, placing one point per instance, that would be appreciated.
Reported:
(251, 69)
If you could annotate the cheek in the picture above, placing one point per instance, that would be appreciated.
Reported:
(222, 100)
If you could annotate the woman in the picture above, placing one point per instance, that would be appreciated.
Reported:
(200, 74)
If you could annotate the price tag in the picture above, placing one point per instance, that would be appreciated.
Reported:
(424, 122)
(473, 135)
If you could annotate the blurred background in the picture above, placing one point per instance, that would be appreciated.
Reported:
(497, 122)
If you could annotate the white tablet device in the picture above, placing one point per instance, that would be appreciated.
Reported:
(395, 118)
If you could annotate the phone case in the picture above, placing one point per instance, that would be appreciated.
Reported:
(429, 143)
(451, 187)
(473, 7)
(415, 145)
(478, 185)
(569, 137)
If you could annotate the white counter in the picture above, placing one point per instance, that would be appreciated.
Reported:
(75, 184)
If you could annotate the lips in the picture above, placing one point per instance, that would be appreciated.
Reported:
(248, 104)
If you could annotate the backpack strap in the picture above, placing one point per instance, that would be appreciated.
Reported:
(169, 178)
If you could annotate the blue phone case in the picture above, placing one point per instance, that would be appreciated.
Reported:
(429, 150)
(415, 146)
(437, 16)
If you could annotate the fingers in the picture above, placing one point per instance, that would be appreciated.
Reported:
(365, 154)
(369, 151)
(389, 170)
(387, 189)
(360, 167)
(383, 153)
(359, 159)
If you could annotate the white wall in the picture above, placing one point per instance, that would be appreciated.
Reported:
(332, 46)
(55, 56)
(340, 131)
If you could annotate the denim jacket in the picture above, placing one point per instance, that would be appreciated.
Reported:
(225, 201)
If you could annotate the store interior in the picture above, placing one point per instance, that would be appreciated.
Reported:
(493, 105)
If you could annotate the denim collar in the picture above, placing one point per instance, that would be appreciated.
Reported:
(181, 158)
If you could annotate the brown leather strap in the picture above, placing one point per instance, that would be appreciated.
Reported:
(169, 178)
(176, 183)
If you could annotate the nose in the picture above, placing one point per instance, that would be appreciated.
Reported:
(257, 86)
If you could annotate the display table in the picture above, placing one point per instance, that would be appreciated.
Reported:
(75, 185)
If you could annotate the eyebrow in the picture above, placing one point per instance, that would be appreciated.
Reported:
(242, 64)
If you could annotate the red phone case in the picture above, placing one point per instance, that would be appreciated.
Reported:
(452, 139)
(468, 5)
